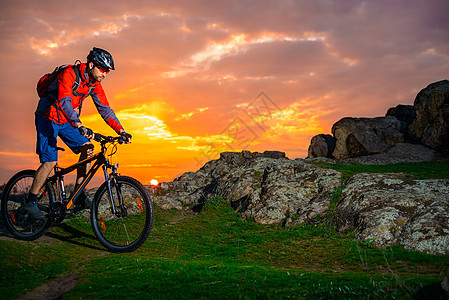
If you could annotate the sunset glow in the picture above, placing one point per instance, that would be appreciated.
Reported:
(196, 78)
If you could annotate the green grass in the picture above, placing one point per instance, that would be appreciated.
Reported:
(217, 255)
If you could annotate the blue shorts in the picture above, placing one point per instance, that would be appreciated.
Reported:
(47, 133)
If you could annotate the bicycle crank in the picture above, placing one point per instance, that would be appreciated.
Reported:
(57, 212)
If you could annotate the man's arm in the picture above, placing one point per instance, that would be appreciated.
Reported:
(107, 113)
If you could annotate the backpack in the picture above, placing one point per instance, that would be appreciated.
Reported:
(45, 81)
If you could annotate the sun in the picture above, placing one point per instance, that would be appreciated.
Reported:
(154, 182)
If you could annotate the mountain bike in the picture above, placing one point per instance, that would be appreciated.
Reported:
(121, 215)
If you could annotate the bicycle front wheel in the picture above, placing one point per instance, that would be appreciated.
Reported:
(128, 227)
(16, 220)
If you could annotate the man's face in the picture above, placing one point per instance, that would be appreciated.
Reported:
(98, 73)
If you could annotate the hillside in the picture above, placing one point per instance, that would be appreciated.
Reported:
(215, 254)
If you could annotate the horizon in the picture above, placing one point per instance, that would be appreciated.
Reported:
(194, 79)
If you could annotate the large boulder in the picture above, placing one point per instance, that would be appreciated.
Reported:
(321, 145)
(404, 113)
(267, 187)
(431, 123)
(291, 191)
(365, 136)
(389, 209)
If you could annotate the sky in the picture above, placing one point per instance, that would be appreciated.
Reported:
(196, 78)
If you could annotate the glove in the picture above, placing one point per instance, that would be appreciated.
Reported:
(125, 137)
(85, 131)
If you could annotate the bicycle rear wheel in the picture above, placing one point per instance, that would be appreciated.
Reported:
(129, 227)
(17, 221)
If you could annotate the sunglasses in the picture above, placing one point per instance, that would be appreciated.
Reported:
(102, 69)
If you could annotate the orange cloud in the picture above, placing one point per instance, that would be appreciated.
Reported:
(236, 44)
(19, 154)
(71, 35)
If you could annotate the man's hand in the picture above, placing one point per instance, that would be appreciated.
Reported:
(87, 132)
(125, 137)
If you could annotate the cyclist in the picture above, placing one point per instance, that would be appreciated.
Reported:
(56, 116)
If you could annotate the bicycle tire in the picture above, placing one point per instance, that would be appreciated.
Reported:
(122, 233)
(18, 223)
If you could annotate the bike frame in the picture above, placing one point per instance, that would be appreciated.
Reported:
(100, 161)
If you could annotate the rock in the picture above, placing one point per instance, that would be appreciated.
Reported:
(365, 136)
(401, 153)
(184, 190)
(320, 160)
(267, 187)
(388, 209)
(404, 113)
(431, 123)
(321, 145)
(290, 191)
(426, 122)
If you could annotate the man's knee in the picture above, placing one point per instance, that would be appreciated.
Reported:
(45, 168)
(87, 149)
(48, 164)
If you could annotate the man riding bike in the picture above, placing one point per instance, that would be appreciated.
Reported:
(56, 116)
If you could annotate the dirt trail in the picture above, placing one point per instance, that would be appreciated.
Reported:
(53, 289)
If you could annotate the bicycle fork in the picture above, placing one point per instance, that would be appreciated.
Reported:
(112, 182)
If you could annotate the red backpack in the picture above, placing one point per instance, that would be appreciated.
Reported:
(45, 81)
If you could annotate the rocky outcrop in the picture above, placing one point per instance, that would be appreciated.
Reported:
(431, 122)
(425, 123)
(267, 187)
(321, 145)
(365, 136)
(389, 209)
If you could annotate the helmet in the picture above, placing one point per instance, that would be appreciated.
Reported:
(101, 57)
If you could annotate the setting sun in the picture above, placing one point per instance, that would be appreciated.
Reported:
(154, 182)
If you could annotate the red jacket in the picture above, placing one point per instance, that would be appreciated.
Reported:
(60, 103)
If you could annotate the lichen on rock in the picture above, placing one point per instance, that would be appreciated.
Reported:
(388, 210)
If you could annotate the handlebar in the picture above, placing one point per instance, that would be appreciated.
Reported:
(98, 137)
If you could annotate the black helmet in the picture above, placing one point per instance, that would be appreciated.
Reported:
(101, 57)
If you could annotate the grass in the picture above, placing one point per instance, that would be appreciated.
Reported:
(215, 254)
